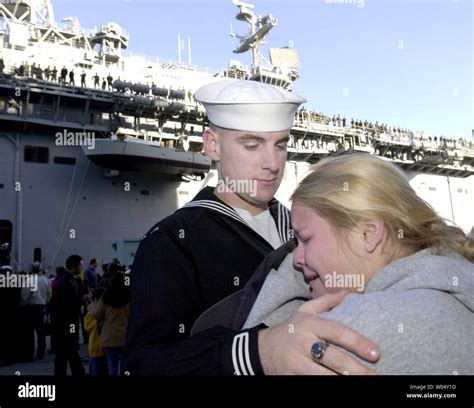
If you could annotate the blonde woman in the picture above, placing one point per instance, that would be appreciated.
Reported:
(361, 227)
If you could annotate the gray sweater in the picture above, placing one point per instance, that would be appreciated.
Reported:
(418, 310)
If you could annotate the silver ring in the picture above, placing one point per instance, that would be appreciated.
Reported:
(317, 351)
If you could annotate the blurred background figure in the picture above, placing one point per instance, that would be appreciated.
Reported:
(113, 311)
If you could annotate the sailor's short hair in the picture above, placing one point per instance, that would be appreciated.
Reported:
(249, 105)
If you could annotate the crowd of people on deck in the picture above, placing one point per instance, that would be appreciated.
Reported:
(303, 116)
(73, 76)
(395, 133)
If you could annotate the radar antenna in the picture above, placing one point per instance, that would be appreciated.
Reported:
(259, 27)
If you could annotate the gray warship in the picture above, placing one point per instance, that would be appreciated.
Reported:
(87, 167)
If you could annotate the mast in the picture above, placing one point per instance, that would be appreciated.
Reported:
(259, 27)
(36, 12)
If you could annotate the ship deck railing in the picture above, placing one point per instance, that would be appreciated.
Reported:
(97, 60)
(408, 139)
(303, 133)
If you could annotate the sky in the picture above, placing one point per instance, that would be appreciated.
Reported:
(407, 63)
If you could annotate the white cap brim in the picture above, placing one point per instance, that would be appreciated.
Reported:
(249, 106)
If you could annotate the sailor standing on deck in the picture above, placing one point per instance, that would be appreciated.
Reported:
(209, 249)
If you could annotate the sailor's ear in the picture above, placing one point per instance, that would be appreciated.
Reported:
(210, 142)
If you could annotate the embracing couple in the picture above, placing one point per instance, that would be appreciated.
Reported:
(362, 277)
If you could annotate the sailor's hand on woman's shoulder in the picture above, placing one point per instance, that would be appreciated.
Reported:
(302, 344)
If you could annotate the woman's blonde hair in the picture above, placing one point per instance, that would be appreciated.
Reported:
(349, 189)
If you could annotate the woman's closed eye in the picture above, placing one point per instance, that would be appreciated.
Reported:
(302, 240)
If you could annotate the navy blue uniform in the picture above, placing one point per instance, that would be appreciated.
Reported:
(185, 264)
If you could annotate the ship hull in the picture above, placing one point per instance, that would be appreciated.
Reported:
(55, 210)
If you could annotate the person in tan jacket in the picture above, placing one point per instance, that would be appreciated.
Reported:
(113, 309)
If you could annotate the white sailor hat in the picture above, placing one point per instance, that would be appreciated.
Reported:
(249, 105)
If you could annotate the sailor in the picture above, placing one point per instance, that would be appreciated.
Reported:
(83, 79)
(33, 70)
(96, 79)
(63, 74)
(54, 74)
(110, 81)
(208, 250)
(39, 72)
(47, 73)
(71, 78)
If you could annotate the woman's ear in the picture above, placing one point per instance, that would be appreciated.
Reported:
(373, 234)
(211, 147)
